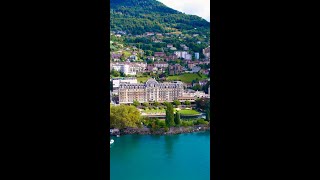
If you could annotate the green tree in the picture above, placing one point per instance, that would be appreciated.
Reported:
(145, 104)
(197, 87)
(177, 120)
(156, 103)
(165, 103)
(169, 115)
(203, 103)
(188, 103)
(122, 74)
(176, 102)
(208, 114)
(124, 116)
(115, 73)
(136, 103)
(111, 85)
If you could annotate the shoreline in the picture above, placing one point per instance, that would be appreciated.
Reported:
(172, 131)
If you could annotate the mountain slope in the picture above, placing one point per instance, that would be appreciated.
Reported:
(140, 16)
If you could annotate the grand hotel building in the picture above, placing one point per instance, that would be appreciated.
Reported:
(150, 91)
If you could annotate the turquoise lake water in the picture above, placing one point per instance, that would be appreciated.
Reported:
(170, 157)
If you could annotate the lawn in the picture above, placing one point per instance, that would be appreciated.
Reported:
(188, 112)
(187, 77)
(143, 79)
(183, 112)
(152, 111)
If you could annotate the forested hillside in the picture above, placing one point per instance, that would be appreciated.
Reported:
(139, 16)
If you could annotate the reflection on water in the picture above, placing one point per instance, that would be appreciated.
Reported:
(169, 144)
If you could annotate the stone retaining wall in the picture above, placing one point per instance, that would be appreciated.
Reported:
(173, 130)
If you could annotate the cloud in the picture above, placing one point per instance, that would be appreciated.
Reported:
(195, 7)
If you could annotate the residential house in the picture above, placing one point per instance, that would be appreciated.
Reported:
(150, 57)
(149, 33)
(188, 56)
(206, 72)
(116, 56)
(203, 82)
(196, 69)
(171, 57)
(206, 52)
(150, 67)
(161, 64)
(191, 65)
(175, 69)
(156, 40)
(188, 85)
(133, 57)
(159, 54)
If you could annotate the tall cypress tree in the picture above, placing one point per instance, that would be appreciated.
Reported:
(177, 118)
(169, 115)
(208, 114)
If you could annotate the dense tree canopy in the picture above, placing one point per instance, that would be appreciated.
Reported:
(124, 116)
(140, 16)
(203, 103)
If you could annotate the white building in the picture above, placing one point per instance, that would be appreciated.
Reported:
(197, 55)
(195, 94)
(116, 81)
(129, 68)
(188, 57)
(181, 54)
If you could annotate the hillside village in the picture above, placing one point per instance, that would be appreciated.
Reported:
(151, 57)
(139, 58)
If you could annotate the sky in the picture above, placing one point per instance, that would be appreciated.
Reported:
(195, 7)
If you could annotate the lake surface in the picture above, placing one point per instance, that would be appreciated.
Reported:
(170, 157)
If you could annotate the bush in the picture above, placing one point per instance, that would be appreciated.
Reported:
(186, 123)
(161, 124)
(166, 129)
(154, 126)
(201, 121)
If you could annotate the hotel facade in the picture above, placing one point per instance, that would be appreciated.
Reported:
(150, 91)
